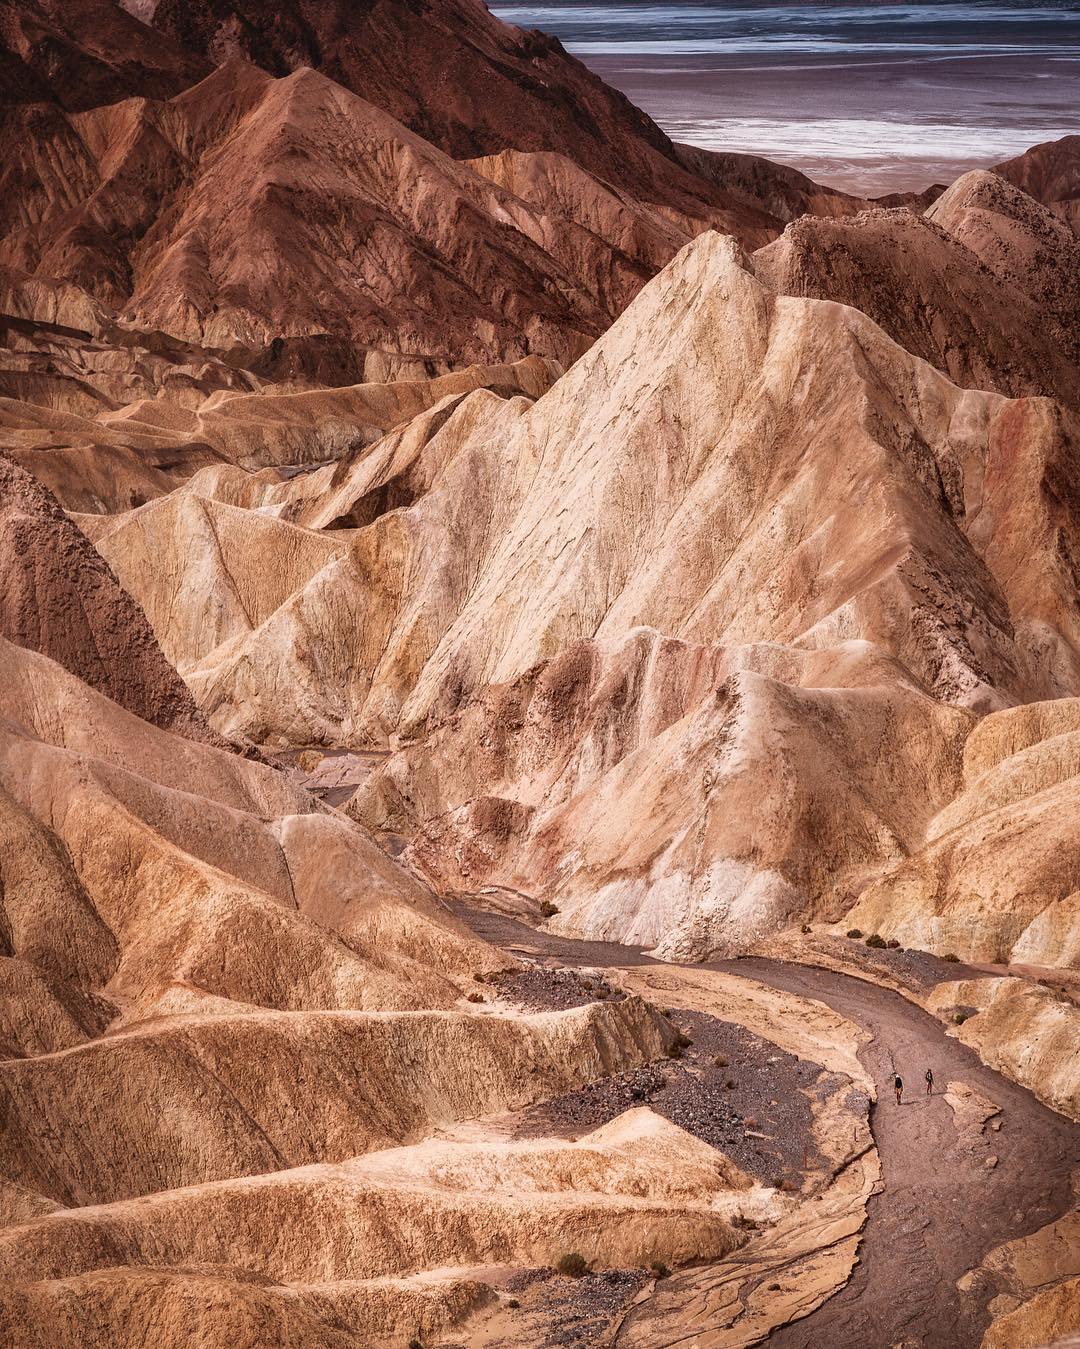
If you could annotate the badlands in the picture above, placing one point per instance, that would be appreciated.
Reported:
(539, 671)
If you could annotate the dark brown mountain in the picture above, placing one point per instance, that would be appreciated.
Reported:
(1050, 173)
(82, 53)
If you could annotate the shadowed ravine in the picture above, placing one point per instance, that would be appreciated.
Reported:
(940, 1209)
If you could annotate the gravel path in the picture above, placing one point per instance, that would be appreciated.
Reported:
(941, 1209)
(944, 1204)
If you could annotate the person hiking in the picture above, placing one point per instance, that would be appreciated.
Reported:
(898, 1083)
(929, 1081)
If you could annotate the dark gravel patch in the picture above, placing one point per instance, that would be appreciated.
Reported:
(919, 969)
(555, 1312)
(567, 1313)
(763, 1120)
(539, 989)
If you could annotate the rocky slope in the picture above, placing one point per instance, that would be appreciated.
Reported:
(475, 86)
(159, 191)
(59, 598)
(980, 286)
(554, 707)
(1050, 173)
(82, 53)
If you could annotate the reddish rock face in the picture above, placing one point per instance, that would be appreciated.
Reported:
(58, 597)
(85, 53)
(1050, 173)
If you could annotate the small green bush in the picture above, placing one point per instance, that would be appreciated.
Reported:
(878, 943)
(854, 933)
(548, 910)
(952, 959)
(961, 1017)
(573, 1265)
(659, 1269)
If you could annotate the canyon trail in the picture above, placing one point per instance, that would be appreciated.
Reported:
(939, 1211)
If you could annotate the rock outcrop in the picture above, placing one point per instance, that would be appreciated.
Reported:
(944, 294)
(566, 654)
(1050, 173)
(58, 597)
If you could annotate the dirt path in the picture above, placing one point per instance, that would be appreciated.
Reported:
(941, 1208)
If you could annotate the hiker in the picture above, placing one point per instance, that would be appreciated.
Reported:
(929, 1081)
(898, 1083)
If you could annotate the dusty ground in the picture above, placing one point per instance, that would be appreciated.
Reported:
(941, 1209)
(943, 1206)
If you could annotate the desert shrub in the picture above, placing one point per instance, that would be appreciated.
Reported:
(749, 1122)
(683, 1041)
(961, 1017)
(416, 1344)
(878, 943)
(603, 992)
(855, 933)
(475, 997)
(659, 1269)
(587, 983)
(480, 977)
(548, 910)
(513, 1304)
(952, 959)
(572, 1264)
(730, 1084)
(774, 1288)
(720, 1061)
(674, 1050)
(806, 928)
(893, 944)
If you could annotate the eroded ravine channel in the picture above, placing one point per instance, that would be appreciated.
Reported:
(943, 1205)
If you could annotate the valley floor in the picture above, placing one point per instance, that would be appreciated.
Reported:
(951, 1192)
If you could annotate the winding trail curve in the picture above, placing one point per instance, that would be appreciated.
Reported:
(941, 1208)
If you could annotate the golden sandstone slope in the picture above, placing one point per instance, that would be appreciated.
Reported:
(844, 539)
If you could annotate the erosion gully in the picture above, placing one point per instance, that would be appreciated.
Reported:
(939, 1211)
